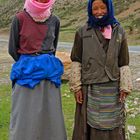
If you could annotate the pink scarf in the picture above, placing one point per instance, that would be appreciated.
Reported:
(107, 32)
(39, 11)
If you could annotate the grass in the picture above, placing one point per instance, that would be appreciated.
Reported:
(68, 109)
(1, 1)
(135, 122)
(4, 111)
(66, 36)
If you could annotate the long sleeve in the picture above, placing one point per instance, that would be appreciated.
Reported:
(124, 53)
(57, 28)
(125, 72)
(76, 57)
(14, 39)
(76, 54)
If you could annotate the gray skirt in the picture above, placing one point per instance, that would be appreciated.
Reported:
(37, 113)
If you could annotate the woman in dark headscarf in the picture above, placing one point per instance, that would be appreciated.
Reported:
(101, 78)
(36, 75)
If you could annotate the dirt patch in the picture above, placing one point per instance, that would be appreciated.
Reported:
(132, 9)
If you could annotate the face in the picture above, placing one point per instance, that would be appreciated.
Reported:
(42, 1)
(99, 9)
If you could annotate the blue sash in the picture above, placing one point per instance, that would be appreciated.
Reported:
(29, 70)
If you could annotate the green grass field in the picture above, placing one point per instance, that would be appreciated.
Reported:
(68, 109)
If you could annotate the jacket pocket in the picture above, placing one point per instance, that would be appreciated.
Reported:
(91, 65)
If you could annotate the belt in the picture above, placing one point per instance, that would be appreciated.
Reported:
(36, 54)
(40, 53)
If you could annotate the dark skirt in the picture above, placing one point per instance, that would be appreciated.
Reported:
(115, 134)
(37, 113)
(82, 131)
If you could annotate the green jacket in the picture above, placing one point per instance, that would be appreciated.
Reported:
(98, 65)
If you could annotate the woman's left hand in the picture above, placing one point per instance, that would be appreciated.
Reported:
(123, 96)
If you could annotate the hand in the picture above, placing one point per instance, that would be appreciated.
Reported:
(123, 96)
(79, 97)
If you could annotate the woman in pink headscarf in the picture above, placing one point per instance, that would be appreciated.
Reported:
(36, 75)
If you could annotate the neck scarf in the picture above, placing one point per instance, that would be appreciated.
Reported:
(107, 31)
(39, 11)
(106, 20)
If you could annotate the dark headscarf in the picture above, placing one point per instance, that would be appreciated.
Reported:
(107, 19)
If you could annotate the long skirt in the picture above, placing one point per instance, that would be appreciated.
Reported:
(83, 131)
(37, 113)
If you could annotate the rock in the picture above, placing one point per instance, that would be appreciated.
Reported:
(138, 79)
(135, 70)
(131, 129)
(65, 58)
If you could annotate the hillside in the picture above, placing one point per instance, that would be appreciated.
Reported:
(73, 14)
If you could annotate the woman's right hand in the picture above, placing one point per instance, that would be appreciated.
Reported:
(79, 96)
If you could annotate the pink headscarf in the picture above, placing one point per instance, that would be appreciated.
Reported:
(39, 11)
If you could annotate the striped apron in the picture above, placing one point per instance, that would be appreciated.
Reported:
(104, 111)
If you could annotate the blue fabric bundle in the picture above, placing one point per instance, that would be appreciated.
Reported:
(108, 19)
(29, 70)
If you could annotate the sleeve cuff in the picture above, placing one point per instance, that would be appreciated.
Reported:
(75, 77)
(125, 79)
